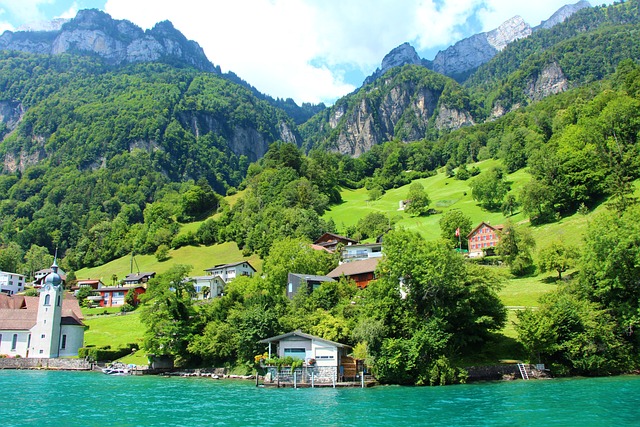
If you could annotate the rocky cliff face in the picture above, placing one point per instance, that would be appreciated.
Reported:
(117, 41)
(476, 50)
(548, 82)
(563, 13)
(405, 111)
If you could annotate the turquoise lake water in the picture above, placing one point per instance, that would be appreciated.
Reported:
(49, 398)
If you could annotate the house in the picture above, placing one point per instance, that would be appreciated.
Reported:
(362, 272)
(138, 278)
(312, 282)
(90, 283)
(330, 241)
(360, 252)
(47, 326)
(228, 272)
(115, 296)
(38, 276)
(483, 238)
(207, 286)
(11, 283)
(323, 358)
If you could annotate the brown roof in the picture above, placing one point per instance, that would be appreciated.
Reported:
(20, 312)
(355, 267)
(493, 227)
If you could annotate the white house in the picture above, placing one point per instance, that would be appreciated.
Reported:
(47, 326)
(228, 272)
(323, 357)
(11, 283)
(361, 252)
(207, 286)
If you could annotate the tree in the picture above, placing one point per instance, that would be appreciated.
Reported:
(509, 205)
(169, 314)
(515, 246)
(558, 257)
(537, 201)
(11, 257)
(162, 253)
(455, 222)
(418, 200)
(37, 258)
(489, 188)
(374, 224)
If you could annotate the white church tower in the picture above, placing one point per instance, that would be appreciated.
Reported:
(45, 335)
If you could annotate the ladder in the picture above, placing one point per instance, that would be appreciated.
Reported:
(523, 371)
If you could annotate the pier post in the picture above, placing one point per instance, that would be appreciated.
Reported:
(312, 379)
(295, 379)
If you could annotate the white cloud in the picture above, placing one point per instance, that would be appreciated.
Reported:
(69, 13)
(25, 10)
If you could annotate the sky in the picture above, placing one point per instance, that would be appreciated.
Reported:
(309, 50)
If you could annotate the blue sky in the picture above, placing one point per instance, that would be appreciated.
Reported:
(308, 50)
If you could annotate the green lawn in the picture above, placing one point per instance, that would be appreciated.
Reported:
(199, 257)
(114, 330)
(445, 194)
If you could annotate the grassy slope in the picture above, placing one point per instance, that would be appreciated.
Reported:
(199, 257)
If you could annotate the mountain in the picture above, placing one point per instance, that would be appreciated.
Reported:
(93, 32)
(562, 14)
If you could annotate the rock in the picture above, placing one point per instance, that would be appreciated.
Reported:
(117, 41)
(563, 13)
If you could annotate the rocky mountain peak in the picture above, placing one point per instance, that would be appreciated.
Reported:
(510, 31)
(399, 56)
(563, 13)
(116, 41)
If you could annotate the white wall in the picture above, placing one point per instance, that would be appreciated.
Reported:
(21, 343)
(75, 339)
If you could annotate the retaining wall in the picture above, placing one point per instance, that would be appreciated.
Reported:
(37, 363)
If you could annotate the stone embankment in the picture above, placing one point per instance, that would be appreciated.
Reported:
(53, 364)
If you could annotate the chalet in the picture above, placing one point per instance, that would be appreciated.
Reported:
(324, 359)
(362, 272)
(48, 326)
(361, 252)
(139, 278)
(207, 286)
(114, 296)
(88, 283)
(295, 281)
(330, 241)
(228, 272)
(483, 238)
(39, 276)
(11, 283)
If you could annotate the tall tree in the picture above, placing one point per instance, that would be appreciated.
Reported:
(418, 200)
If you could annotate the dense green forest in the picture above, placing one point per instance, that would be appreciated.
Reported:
(107, 161)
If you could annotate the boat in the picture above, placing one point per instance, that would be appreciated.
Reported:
(116, 369)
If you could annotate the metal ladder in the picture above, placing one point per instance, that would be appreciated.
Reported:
(523, 371)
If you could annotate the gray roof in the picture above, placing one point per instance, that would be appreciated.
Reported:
(233, 264)
(299, 333)
(313, 277)
(355, 267)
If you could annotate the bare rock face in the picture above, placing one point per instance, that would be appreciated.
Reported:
(11, 113)
(563, 13)
(476, 50)
(453, 119)
(117, 41)
(549, 82)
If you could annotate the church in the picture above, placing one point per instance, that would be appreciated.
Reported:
(47, 326)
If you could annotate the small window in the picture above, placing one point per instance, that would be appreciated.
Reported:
(42, 336)
(58, 301)
(296, 353)
(14, 342)
(47, 299)
(63, 344)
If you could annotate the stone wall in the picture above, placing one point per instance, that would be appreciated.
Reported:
(321, 375)
(501, 372)
(36, 363)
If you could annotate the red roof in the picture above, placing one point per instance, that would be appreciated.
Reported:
(18, 312)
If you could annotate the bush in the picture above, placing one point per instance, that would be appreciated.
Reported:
(127, 308)
(105, 353)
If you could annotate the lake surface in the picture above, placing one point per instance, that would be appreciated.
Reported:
(50, 398)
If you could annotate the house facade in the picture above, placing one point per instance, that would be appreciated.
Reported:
(322, 358)
(330, 241)
(228, 272)
(11, 283)
(483, 238)
(207, 287)
(362, 271)
(48, 326)
(139, 278)
(361, 252)
(312, 282)
(114, 296)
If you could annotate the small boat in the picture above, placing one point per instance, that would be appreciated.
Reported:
(116, 369)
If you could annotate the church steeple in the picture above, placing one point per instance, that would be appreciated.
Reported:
(46, 333)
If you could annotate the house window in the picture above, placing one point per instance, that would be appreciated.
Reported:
(47, 299)
(296, 353)
(58, 301)
(42, 336)
(63, 344)
(14, 342)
